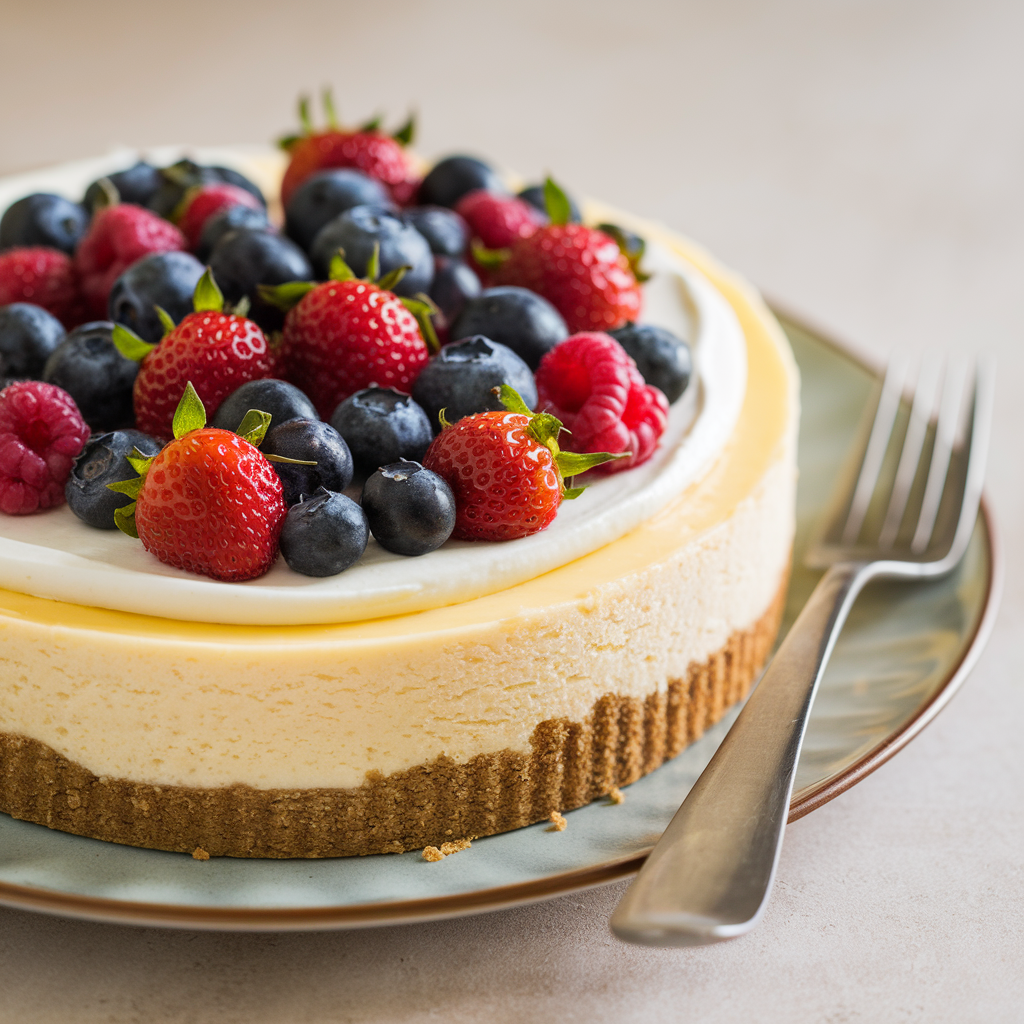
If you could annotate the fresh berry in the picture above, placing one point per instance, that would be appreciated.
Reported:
(231, 219)
(88, 366)
(451, 178)
(455, 283)
(523, 320)
(309, 441)
(595, 389)
(446, 232)
(324, 535)
(103, 461)
(185, 174)
(283, 401)
(28, 334)
(216, 351)
(460, 380)
(364, 230)
(136, 184)
(43, 219)
(497, 221)
(411, 511)
(118, 237)
(326, 195)
(167, 280)
(44, 277)
(534, 195)
(506, 470)
(41, 433)
(663, 360)
(381, 425)
(201, 202)
(208, 503)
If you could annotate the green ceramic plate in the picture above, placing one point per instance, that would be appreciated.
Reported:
(904, 651)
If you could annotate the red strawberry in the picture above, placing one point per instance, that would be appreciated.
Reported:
(118, 236)
(591, 384)
(498, 221)
(367, 149)
(45, 277)
(41, 434)
(216, 351)
(205, 201)
(209, 502)
(505, 470)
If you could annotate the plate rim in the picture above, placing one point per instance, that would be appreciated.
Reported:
(349, 916)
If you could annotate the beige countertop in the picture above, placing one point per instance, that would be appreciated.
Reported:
(863, 162)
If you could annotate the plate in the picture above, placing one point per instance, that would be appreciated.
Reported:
(905, 650)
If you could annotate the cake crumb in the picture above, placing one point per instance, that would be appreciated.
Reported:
(200, 854)
(558, 822)
(616, 796)
(433, 854)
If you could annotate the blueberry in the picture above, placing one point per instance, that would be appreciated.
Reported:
(382, 425)
(454, 176)
(180, 177)
(90, 369)
(446, 232)
(231, 219)
(455, 283)
(43, 219)
(313, 441)
(136, 184)
(244, 259)
(523, 320)
(461, 377)
(103, 462)
(411, 510)
(28, 334)
(282, 400)
(662, 359)
(358, 230)
(324, 534)
(534, 195)
(165, 279)
(324, 196)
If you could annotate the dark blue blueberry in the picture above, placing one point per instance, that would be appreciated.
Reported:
(28, 335)
(662, 359)
(523, 320)
(461, 377)
(382, 425)
(454, 176)
(446, 232)
(411, 511)
(231, 219)
(243, 260)
(282, 400)
(326, 195)
(137, 184)
(455, 283)
(534, 195)
(88, 367)
(43, 219)
(311, 441)
(165, 279)
(103, 462)
(324, 535)
(358, 230)
(180, 177)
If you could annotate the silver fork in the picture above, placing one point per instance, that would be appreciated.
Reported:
(907, 511)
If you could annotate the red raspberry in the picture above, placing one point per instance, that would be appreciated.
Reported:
(595, 389)
(118, 236)
(45, 277)
(498, 221)
(41, 434)
(205, 201)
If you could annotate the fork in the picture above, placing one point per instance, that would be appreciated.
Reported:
(906, 510)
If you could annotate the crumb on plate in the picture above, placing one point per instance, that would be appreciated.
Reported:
(558, 822)
(200, 854)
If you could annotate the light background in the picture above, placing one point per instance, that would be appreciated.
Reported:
(863, 162)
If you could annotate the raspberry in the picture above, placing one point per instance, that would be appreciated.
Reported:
(205, 201)
(41, 434)
(595, 389)
(44, 277)
(498, 221)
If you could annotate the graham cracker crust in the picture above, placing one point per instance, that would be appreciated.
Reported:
(570, 764)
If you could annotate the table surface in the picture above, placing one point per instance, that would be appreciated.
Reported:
(862, 162)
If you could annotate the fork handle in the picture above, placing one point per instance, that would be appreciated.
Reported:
(709, 876)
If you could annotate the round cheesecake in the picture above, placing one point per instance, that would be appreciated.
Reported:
(417, 701)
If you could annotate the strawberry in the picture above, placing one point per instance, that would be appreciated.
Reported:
(506, 470)
(45, 277)
(581, 271)
(367, 149)
(118, 236)
(201, 202)
(216, 351)
(209, 502)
